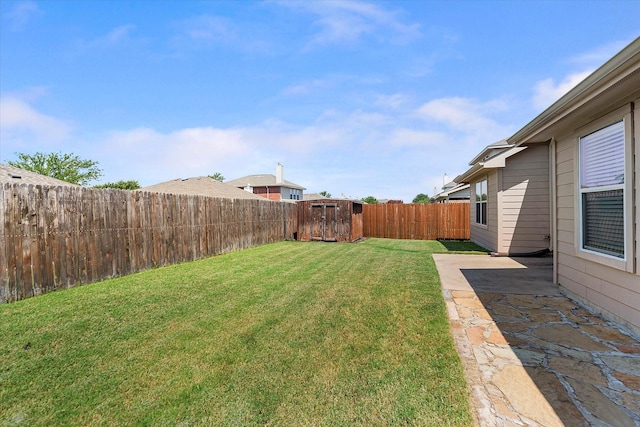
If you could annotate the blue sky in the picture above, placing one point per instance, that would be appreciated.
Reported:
(353, 97)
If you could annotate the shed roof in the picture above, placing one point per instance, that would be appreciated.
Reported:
(201, 186)
(313, 196)
(262, 180)
(12, 174)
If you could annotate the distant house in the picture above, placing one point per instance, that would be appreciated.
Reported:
(272, 187)
(200, 186)
(509, 190)
(574, 178)
(13, 175)
(453, 192)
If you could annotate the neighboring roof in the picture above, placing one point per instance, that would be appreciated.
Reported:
(496, 161)
(264, 180)
(618, 78)
(201, 186)
(491, 150)
(453, 190)
(11, 174)
(313, 196)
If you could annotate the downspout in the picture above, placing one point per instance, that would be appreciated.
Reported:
(553, 230)
(635, 193)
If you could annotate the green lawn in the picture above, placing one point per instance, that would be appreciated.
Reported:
(284, 334)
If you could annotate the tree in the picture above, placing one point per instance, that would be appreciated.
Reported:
(66, 167)
(325, 194)
(120, 185)
(370, 200)
(421, 198)
(217, 176)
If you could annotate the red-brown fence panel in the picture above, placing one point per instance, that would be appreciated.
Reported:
(417, 221)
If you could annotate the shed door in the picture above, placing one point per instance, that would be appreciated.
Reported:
(324, 223)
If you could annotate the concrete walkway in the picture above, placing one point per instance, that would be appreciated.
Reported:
(532, 357)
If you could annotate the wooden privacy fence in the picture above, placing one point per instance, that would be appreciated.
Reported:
(58, 237)
(417, 221)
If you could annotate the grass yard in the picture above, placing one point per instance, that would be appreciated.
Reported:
(286, 334)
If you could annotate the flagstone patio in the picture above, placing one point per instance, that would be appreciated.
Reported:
(532, 356)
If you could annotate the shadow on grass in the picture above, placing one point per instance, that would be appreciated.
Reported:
(462, 246)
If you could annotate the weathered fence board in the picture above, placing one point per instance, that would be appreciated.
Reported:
(417, 221)
(58, 237)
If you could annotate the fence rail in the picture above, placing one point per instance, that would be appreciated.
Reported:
(59, 237)
(417, 221)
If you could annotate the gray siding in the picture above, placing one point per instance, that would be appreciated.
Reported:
(607, 288)
(524, 201)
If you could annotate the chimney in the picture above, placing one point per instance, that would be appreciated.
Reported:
(279, 174)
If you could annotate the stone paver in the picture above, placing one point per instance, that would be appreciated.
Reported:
(540, 360)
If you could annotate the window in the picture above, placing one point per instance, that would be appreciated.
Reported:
(602, 178)
(481, 202)
(294, 194)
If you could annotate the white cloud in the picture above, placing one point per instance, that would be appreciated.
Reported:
(599, 55)
(349, 21)
(152, 156)
(386, 153)
(19, 121)
(206, 31)
(392, 102)
(358, 153)
(404, 137)
(308, 87)
(118, 37)
(118, 34)
(466, 115)
(21, 14)
(547, 91)
(208, 28)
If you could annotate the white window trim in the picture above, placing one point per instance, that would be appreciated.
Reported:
(479, 224)
(625, 263)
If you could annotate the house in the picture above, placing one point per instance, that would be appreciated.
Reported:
(200, 186)
(453, 192)
(272, 187)
(591, 137)
(11, 174)
(509, 190)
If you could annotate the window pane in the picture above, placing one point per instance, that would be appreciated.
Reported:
(603, 227)
(602, 157)
(484, 213)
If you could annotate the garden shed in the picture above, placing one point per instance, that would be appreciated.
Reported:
(330, 220)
